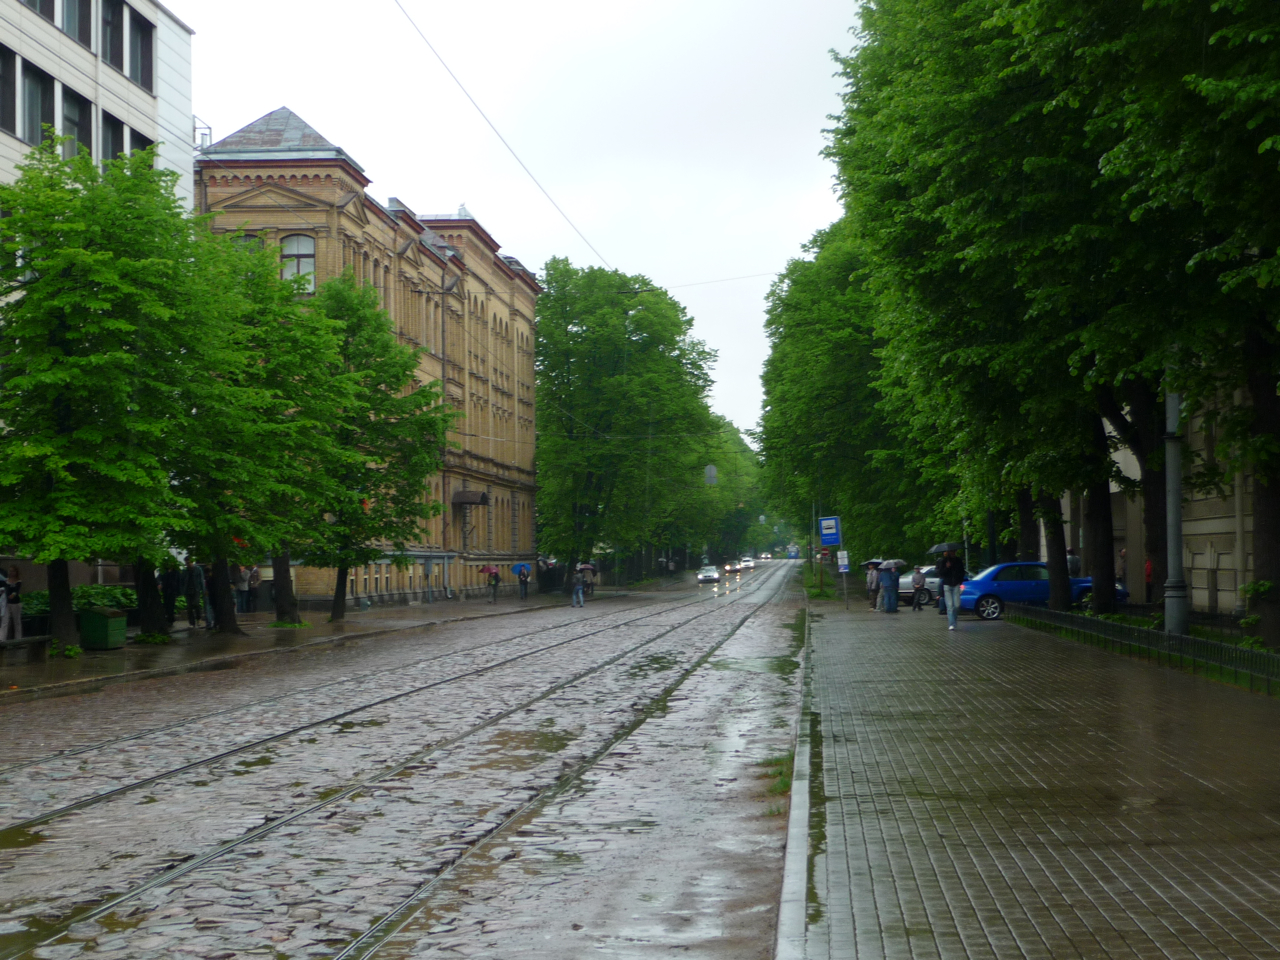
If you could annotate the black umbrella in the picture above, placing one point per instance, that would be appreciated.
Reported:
(944, 547)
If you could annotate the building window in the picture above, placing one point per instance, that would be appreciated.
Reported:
(8, 90)
(77, 122)
(112, 137)
(113, 32)
(298, 259)
(37, 103)
(42, 7)
(141, 34)
(77, 20)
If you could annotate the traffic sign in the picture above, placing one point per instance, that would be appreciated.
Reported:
(842, 561)
(829, 531)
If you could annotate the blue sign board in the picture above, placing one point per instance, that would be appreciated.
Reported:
(829, 531)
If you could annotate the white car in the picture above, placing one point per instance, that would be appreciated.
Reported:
(932, 584)
(708, 575)
(748, 563)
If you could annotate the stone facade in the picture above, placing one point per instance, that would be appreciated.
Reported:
(448, 290)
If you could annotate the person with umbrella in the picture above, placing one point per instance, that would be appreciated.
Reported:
(494, 580)
(951, 571)
(588, 570)
(889, 584)
(873, 582)
(578, 581)
(522, 574)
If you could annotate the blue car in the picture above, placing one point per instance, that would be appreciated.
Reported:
(988, 592)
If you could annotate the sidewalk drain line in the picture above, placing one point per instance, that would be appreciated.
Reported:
(793, 903)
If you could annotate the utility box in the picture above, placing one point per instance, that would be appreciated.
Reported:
(102, 628)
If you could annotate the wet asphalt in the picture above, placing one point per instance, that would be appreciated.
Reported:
(561, 782)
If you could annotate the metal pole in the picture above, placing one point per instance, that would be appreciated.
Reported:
(1241, 558)
(1175, 588)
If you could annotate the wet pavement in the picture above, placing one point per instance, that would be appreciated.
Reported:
(399, 797)
(1002, 793)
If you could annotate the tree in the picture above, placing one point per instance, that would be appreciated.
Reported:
(390, 434)
(95, 290)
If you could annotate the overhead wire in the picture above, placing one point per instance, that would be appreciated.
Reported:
(498, 134)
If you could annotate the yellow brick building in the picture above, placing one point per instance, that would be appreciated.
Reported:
(448, 290)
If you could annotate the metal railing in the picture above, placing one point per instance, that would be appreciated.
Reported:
(1239, 665)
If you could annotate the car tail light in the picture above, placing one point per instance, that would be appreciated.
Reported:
(962, 588)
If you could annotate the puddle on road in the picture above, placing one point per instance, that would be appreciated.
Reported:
(781, 666)
(817, 820)
(15, 838)
(520, 749)
(654, 663)
(347, 726)
(248, 766)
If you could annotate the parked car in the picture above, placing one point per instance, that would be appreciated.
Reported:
(987, 593)
(932, 584)
(748, 563)
(708, 574)
(733, 566)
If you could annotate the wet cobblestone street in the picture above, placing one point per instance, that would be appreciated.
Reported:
(1002, 793)
(333, 803)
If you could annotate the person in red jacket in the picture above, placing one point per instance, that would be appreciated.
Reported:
(1147, 572)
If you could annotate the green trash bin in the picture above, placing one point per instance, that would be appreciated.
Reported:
(102, 628)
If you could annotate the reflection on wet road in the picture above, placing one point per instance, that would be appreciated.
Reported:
(322, 818)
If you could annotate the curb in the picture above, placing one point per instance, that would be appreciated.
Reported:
(228, 661)
(793, 906)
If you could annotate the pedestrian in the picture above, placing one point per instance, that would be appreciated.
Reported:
(12, 606)
(889, 588)
(240, 577)
(494, 580)
(1073, 562)
(211, 614)
(1146, 572)
(578, 581)
(1122, 566)
(917, 589)
(588, 581)
(951, 571)
(255, 581)
(523, 577)
(873, 585)
(170, 586)
(191, 583)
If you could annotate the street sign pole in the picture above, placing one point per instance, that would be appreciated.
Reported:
(829, 533)
(842, 564)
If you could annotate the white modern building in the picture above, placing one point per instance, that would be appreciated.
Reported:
(114, 75)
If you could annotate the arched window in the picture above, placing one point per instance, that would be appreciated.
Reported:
(298, 259)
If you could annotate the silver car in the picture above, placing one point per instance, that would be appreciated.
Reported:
(708, 575)
(932, 584)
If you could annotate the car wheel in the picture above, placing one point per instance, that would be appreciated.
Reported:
(989, 607)
(926, 596)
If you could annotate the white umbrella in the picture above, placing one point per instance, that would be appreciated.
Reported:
(892, 564)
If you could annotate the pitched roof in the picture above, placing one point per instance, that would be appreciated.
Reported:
(281, 134)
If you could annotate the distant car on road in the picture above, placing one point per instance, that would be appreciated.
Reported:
(766, 556)
(988, 592)
(708, 575)
(733, 566)
(748, 563)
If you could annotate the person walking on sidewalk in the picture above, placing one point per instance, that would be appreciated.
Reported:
(917, 589)
(523, 577)
(577, 590)
(240, 580)
(951, 572)
(170, 580)
(192, 586)
(255, 581)
(13, 605)
(494, 580)
(1073, 562)
(873, 584)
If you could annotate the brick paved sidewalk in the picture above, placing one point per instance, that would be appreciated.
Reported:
(1000, 793)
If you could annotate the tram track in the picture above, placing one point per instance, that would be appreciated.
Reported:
(413, 762)
(329, 719)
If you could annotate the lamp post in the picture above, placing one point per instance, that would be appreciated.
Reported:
(1175, 587)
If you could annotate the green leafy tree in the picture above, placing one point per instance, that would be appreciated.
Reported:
(96, 286)
(390, 436)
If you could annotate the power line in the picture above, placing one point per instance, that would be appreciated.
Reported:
(499, 135)
(703, 283)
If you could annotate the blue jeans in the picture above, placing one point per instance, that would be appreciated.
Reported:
(951, 594)
(890, 598)
(577, 597)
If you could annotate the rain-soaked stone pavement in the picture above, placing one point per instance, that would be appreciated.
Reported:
(1001, 793)
(560, 783)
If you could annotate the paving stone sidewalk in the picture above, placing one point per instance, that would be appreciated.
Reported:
(1000, 793)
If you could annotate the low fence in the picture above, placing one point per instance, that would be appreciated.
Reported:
(1256, 669)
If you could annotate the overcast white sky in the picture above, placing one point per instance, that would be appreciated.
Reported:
(681, 136)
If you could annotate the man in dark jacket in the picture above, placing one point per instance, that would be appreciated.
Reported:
(192, 584)
(951, 570)
(170, 586)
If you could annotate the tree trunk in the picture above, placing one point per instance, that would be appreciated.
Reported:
(224, 601)
(338, 611)
(282, 584)
(1055, 539)
(62, 613)
(151, 618)
(1101, 543)
(1263, 358)
(1147, 416)
(1028, 528)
